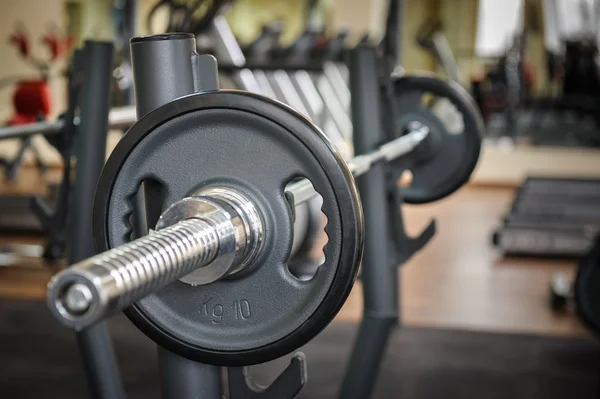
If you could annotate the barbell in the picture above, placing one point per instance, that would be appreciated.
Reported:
(216, 233)
(227, 234)
(78, 297)
(224, 171)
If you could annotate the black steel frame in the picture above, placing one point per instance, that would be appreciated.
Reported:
(96, 61)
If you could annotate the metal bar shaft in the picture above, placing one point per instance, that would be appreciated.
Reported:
(118, 118)
(10, 132)
(303, 190)
(163, 69)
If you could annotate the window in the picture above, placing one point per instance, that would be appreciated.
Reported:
(498, 22)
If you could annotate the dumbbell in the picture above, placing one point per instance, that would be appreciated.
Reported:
(280, 79)
(211, 282)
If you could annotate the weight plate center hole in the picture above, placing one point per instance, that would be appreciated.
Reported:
(310, 237)
(147, 205)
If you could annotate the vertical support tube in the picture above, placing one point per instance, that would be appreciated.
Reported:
(94, 343)
(182, 378)
(162, 69)
(129, 13)
(166, 67)
(379, 276)
(399, 35)
(392, 41)
(100, 363)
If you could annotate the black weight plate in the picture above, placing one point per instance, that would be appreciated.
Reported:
(586, 288)
(444, 161)
(256, 145)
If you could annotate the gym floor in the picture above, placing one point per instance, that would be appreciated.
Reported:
(458, 281)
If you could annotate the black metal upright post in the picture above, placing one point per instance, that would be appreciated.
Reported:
(183, 378)
(129, 13)
(399, 35)
(379, 274)
(392, 40)
(166, 67)
(94, 343)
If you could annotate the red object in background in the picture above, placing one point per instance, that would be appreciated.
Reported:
(57, 45)
(32, 101)
(20, 40)
(528, 75)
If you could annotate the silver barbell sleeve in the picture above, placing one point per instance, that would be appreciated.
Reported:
(211, 235)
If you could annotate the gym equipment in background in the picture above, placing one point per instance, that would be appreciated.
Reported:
(581, 294)
(455, 135)
(430, 36)
(193, 16)
(222, 195)
(48, 215)
(585, 288)
(316, 88)
(551, 217)
(566, 112)
(32, 100)
(123, 18)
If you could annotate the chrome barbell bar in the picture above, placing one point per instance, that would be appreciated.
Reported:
(303, 190)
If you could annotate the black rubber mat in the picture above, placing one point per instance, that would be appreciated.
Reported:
(39, 359)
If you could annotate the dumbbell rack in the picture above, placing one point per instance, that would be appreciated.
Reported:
(318, 90)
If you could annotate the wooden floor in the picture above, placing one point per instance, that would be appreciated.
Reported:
(457, 281)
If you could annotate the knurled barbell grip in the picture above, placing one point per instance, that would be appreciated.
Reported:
(216, 238)
(99, 286)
